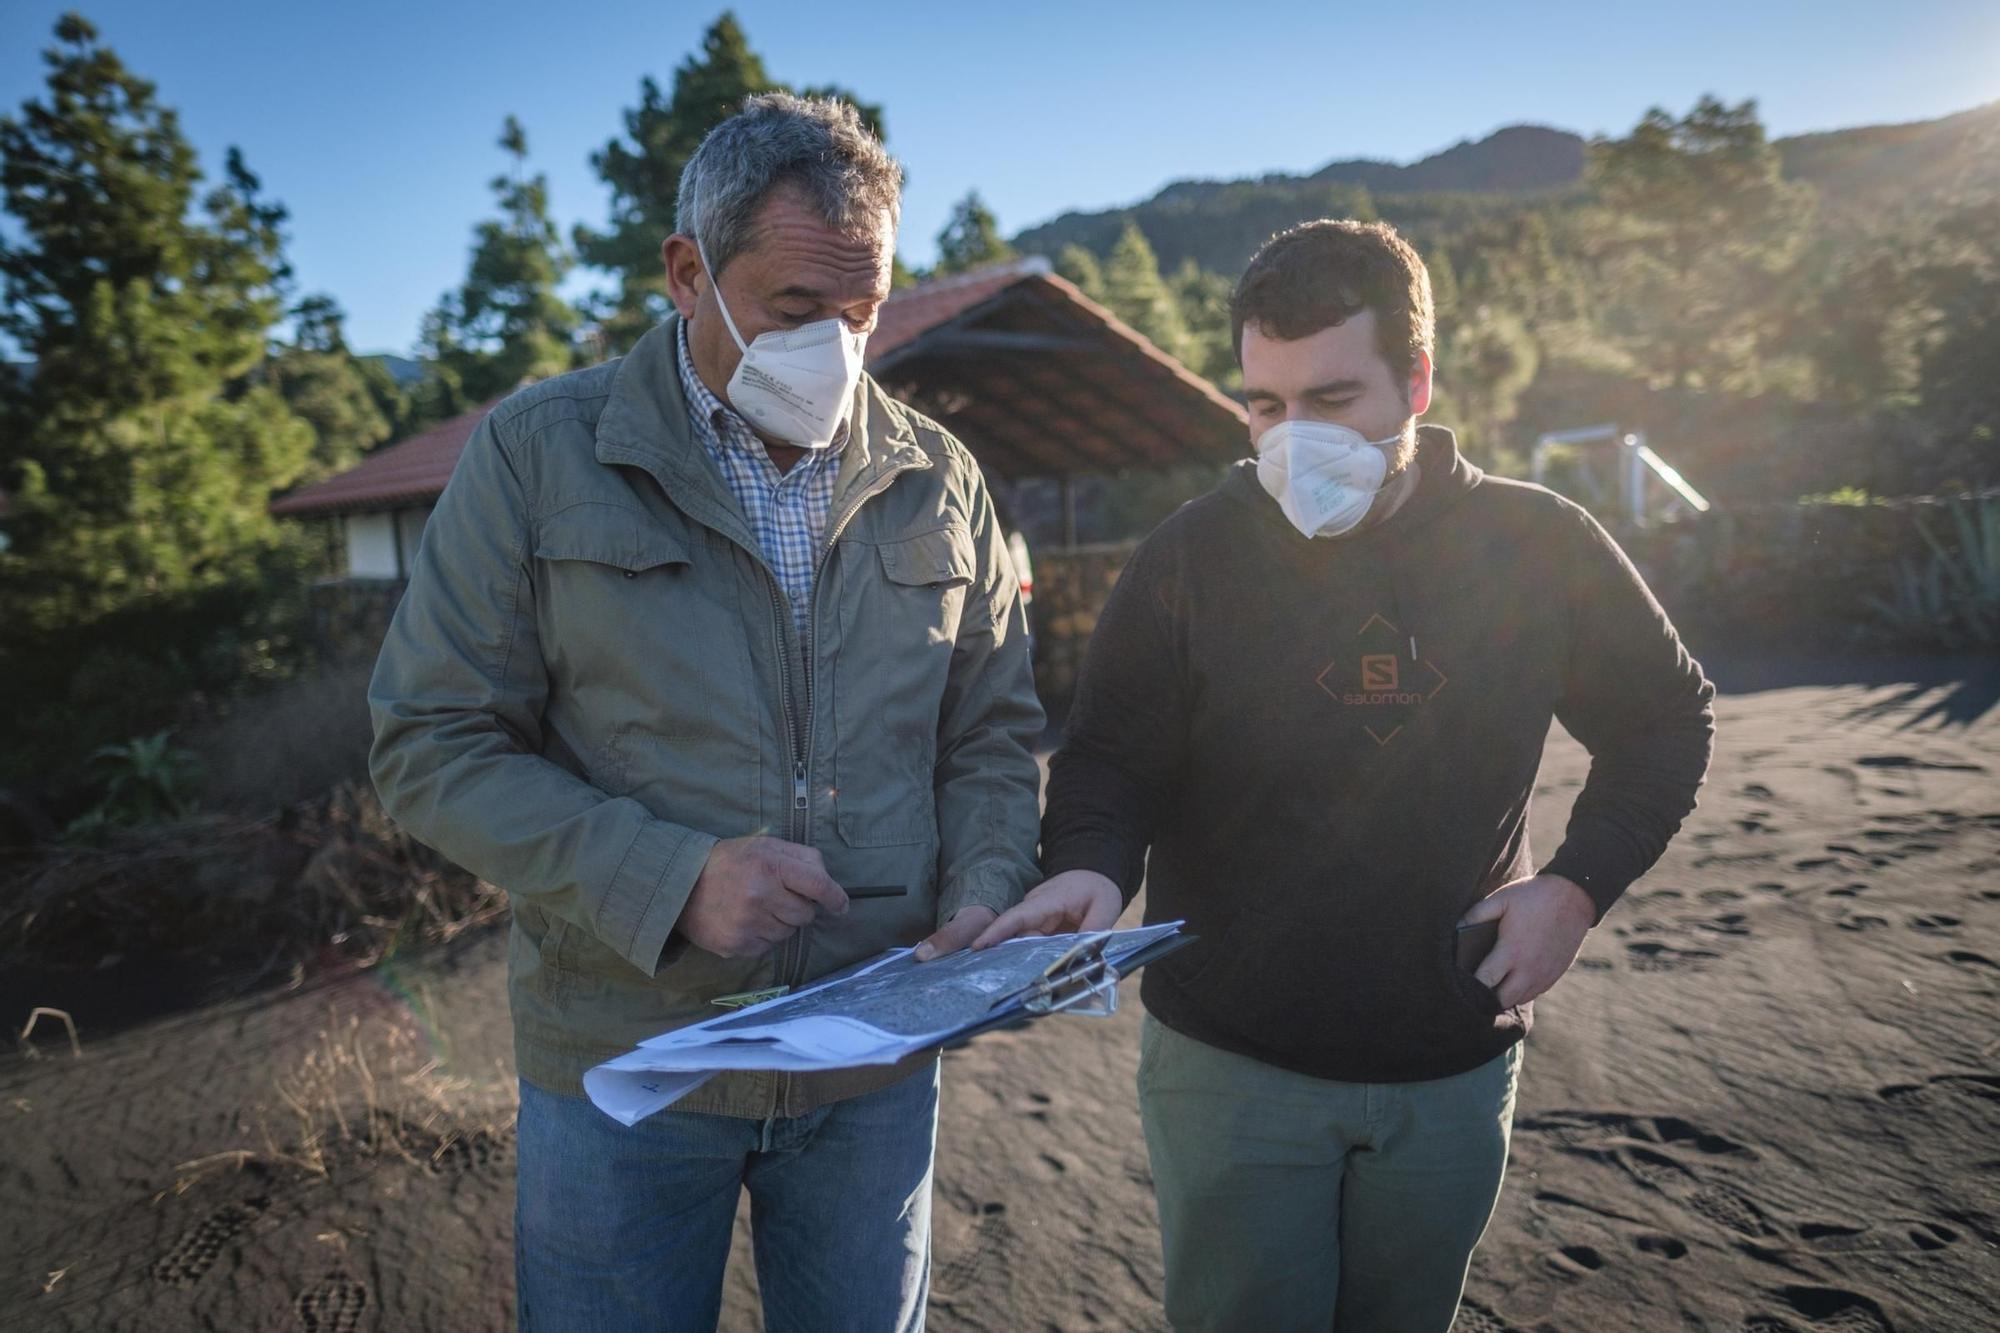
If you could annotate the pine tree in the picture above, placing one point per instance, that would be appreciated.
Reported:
(1137, 294)
(351, 405)
(644, 168)
(971, 238)
(1698, 229)
(139, 458)
(1080, 266)
(143, 448)
(1959, 378)
(1486, 360)
(1203, 298)
(507, 323)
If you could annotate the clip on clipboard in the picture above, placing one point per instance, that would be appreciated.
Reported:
(1081, 981)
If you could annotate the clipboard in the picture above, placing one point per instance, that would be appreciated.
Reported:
(1081, 981)
(879, 1011)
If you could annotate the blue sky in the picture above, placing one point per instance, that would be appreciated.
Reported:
(375, 122)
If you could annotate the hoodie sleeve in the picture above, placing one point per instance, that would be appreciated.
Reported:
(1127, 735)
(1635, 699)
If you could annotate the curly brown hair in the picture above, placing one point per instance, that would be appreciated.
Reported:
(1319, 274)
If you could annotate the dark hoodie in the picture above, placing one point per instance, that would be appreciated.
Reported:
(1329, 747)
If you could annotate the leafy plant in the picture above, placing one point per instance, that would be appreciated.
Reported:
(1953, 599)
(146, 780)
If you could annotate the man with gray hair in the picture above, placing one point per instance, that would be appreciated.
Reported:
(696, 638)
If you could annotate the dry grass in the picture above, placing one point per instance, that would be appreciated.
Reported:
(362, 1095)
(332, 880)
(341, 1104)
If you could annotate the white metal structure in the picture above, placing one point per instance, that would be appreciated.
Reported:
(1633, 466)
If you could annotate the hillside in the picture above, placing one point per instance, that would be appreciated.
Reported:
(1884, 167)
(404, 370)
(1867, 169)
(1514, 160)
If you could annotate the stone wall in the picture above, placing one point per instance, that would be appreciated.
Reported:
(1800, 576)
(1805, 577)
(351, 616)
(1070, 588)
(1810, 576)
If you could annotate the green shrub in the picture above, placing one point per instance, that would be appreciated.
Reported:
(1952, 599)
(146, 780)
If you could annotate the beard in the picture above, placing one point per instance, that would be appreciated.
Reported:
(1404, 451)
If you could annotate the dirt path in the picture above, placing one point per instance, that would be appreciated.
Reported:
(1767, 1099)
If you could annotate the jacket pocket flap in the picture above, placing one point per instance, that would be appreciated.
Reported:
(942, 556)
(609, 538)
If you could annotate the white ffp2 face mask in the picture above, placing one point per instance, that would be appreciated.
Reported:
(1324, 477)
(794, 384)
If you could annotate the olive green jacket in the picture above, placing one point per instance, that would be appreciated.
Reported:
(594, 676)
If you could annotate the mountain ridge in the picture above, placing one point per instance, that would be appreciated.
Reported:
(1854, 169)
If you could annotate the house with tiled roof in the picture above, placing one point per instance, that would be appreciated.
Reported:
(1036, 378)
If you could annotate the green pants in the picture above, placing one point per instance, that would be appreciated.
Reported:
(1290, 1202)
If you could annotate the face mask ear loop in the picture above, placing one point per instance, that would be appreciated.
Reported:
(720, 304)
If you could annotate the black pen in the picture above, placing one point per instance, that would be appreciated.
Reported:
(878, 891)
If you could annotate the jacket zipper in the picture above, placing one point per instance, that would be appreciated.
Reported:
(795, 828)
(792, 956)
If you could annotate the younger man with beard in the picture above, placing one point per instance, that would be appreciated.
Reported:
(1319, 696)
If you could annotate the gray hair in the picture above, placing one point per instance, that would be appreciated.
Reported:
(816, 145)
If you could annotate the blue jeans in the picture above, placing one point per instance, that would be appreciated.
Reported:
(618, 1228)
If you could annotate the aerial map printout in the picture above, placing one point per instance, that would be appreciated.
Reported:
(876, 1012)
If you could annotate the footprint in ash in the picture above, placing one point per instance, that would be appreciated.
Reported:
(1828, 1309)
(1909, 1235)
(1576, 1261)
(452, 1150)
(1660, 1246)
(1677, 1159)
(197, 1251)
(1978, 1091)
(1474, 1317)
(337, 1303)
(1729, 923)
(992, 1238)
(1657, 956)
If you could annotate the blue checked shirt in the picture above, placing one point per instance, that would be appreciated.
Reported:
(787, 510)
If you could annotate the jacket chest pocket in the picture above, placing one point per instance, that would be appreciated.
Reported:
(630, 632)
(927, 577)
(890, 676)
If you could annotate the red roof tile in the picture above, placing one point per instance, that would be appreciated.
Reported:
(917, 310)
(411, 471)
